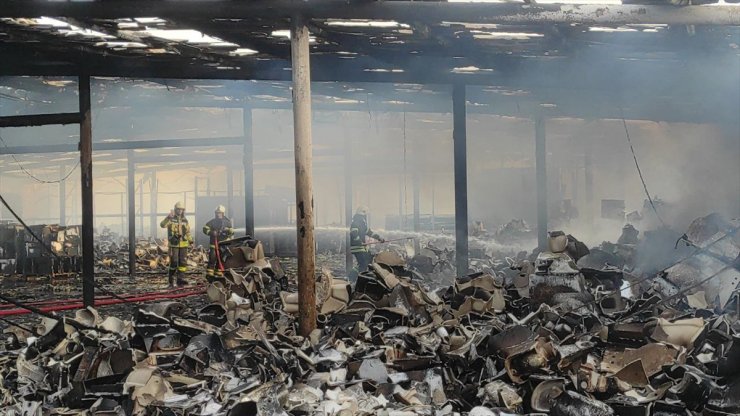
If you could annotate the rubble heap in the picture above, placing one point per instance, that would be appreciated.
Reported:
(111, 255)
(550, 336)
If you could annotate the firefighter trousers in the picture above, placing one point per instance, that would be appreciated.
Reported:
(213, 269)
(178, 263)
(363, 260)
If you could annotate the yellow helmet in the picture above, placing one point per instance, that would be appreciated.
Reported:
(180, 205)
(221, 209)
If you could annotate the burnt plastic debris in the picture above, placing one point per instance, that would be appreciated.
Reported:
(566, 332)
(152, 255)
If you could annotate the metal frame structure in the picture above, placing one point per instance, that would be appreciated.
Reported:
(396, 41)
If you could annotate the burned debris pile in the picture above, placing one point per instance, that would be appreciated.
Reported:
(22, 254)
(111, 255)
(558, 335)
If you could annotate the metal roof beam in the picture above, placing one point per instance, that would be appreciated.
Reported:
(127, 145)
(430, 11)
(39, 120)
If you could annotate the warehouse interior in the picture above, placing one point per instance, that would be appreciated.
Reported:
(471, 134)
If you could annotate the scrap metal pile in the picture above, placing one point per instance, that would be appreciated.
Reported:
(551, 336)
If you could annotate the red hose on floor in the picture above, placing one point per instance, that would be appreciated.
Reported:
(69, 304)
(52, 302)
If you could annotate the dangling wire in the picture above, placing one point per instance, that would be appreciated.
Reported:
(639, 171)
(31, 175)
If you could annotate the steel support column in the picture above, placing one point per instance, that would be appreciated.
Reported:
(208, 183)
(86, 189)
(248, 163)
(131, 195)
(303, 174)
(230, 191)
(348, 202)
(417, 208)
(62, 195)
(589, 183)
(459, 139)
(141, 207)
(541, 174)
(153, 203)
(402, 202)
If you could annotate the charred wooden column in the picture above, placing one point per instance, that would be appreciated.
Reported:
(303, 174)
(348, 202)
(86, 189)
(131, 195)
(459, 139)
(62, 195)
(248, 162)
(541, 174)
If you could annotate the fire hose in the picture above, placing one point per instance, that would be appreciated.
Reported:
(388, 241)
(70, 304)
(55, 302)
(218, 255)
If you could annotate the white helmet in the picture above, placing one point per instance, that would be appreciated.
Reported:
(180, 205)
(221, 209)
(362, 210)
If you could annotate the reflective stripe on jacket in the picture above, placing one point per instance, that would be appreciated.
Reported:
(357, 232)
(178, 231)
(223, 228)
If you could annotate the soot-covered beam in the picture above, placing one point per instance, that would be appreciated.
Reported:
(131, 196)
(348, 201)
(62, 195)
(417, 209)
(403, 10)
(88, 248)
(127, 145)
(459, 139)
(541, 174)
(39, 120)
(230, 191)
(588, 183)
(248, 163)
(153, 195)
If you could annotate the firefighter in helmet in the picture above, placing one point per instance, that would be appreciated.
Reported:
(179, 238)
(218, 229)
(358, 232)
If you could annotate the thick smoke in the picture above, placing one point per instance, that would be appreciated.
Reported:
(691, 169)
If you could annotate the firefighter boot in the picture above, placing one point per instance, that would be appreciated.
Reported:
(181, 279)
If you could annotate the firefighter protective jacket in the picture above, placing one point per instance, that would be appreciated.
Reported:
(178, 231)
(358, 231)
(223, 228)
